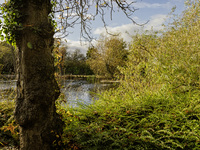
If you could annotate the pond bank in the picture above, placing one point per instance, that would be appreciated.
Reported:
(93, 78)
(7, 77)
(83, 77)
(74, 90)
(100, 78)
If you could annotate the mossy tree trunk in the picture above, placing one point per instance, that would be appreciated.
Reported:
(37, 88)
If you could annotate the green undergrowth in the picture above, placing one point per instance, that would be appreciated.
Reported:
(152, 120)
(8, 128)
(157, 120)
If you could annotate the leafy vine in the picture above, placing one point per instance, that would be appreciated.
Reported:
(12, 20)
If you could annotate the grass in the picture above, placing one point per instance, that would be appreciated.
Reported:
(8, 127)
(151, 121)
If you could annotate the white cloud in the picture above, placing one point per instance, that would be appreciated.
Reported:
(135, 18)
(177, 1)
(156, 22)
(127, 30)
(73, 45)
(153, 5)
(123, 30)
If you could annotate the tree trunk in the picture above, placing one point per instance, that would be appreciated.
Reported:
(37, 89)
(13, 58)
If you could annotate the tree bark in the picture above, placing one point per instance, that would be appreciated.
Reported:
(37, 89)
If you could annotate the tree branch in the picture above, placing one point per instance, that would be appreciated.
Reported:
(76, 12)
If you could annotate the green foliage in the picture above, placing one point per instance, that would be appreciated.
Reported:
(75, 63)
(150, 121)
(8, 128)
(140, 69)
(179, 60)
(91, 52)
(7, 58)
(107, 56)
(67, 62)
(12, 26)
(170, 59)
(12, 20)
(29, 45)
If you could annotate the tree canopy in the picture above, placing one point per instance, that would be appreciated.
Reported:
(7, 58)
(109, 54)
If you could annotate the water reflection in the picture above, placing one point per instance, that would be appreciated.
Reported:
(82, 90)
(74, 90)
(7, 84)
(7, 89)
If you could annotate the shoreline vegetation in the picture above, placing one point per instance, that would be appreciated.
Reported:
(82, 76)
(7, 77)
(155, 107)
(102, 79)
(10, 76)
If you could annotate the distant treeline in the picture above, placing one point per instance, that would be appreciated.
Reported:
(7, 58)
(103, 59)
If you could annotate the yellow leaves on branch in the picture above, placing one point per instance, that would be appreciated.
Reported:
(103, 4)
(61, 17)
(61, 10)
(68, 113)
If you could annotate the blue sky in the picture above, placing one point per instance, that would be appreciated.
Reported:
(154, 11)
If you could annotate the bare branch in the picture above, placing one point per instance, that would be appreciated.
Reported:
(73, 12)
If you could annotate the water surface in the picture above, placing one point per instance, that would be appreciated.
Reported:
(83, 91)
(74, 90)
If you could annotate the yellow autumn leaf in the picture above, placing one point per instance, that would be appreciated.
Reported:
(69, 113)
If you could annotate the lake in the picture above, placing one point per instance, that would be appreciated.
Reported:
(75, 90)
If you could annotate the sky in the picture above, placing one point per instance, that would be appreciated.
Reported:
(154, 11)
